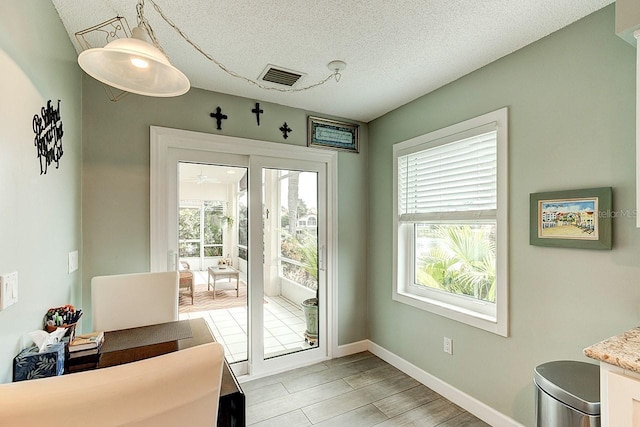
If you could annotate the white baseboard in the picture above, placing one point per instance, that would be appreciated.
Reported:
(352, 348)
(460, 398)
(468, 403)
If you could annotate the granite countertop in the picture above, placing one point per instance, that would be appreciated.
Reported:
(622, 350)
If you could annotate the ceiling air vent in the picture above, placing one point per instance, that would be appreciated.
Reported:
(280, 75)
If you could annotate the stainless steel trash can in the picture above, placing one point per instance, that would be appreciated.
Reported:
(567, 394)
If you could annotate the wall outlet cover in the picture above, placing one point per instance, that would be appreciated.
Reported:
(8, 289)
(448, 345)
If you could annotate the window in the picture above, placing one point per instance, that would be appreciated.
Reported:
(200, 228)
(243, 218)
(189, 225)
(214, 221)
(450, 222)
(243, 228)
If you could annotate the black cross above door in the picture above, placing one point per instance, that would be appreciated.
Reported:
(285, 129)
(257, 112)
(219, 117)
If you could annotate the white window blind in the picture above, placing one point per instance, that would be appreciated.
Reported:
(457, 180)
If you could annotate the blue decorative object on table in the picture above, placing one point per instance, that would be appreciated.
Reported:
(29, 364)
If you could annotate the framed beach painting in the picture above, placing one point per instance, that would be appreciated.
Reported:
(571, 219)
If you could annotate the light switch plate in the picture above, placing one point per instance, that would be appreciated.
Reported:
(73, 261)
(8, 289)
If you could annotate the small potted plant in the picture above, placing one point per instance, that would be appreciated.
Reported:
(310, 306)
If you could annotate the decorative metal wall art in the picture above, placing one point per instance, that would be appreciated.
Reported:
(47, 127)
(285, 129)
(257, 111)
(219, 117)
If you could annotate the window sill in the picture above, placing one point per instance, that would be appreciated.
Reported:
(459, 314)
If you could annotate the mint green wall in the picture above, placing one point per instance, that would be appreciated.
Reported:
(571, 104)
(115, 199)
(39, 214)
(571, 99)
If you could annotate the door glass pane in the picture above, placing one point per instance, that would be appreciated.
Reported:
(209, 246)
(291, 261)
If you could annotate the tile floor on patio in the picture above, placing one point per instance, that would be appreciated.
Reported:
(284, 327)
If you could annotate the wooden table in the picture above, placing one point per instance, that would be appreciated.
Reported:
(221, 273)
(231, 410)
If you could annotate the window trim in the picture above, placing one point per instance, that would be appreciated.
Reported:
(403, 258)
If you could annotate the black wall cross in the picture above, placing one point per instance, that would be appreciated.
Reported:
(285, 130)
(219, 117)
(257, 112)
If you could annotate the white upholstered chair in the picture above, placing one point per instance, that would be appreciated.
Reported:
(181, 388)
(131, 300)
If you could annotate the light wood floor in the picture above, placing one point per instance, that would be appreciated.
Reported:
(357, 390)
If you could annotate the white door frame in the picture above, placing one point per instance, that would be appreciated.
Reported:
(163, 140)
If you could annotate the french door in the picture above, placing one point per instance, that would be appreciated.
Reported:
(289, 304)
(279, 241)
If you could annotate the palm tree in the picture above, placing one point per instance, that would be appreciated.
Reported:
(462, 262)
(309, 252)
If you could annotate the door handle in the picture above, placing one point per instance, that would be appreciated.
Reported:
(172, 260)
(321, 258)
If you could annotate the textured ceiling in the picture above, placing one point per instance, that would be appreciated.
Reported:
(395, 50)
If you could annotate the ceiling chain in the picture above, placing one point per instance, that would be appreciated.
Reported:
(142, 22)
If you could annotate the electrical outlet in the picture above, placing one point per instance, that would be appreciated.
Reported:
(448, 345)
(8, 289)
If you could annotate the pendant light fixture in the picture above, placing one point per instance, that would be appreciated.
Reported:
(134, 65)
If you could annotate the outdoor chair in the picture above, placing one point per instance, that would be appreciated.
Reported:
(186, 279)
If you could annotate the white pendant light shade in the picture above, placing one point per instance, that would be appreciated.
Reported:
(134, 65)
